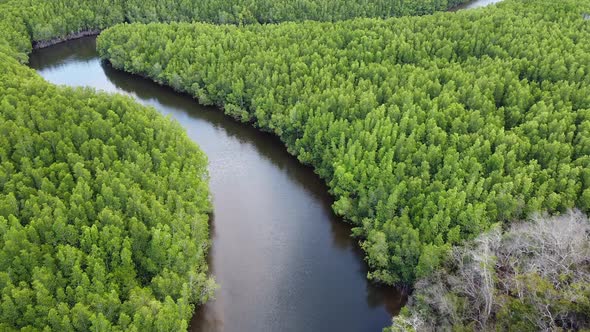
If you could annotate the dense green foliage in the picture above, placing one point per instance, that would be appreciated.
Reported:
(103, 202)
(533, 277)
(24, 21)
(103, 206)
(268, 11)
(427, 129)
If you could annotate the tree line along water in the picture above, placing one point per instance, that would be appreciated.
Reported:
(428, 130)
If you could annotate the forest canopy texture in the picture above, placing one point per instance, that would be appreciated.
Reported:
(103, 203)
(427, 129)
(103, 211)
(25, 21)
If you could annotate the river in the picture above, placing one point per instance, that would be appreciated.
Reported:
(284, 262)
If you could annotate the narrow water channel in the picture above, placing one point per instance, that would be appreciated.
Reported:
(283, 260)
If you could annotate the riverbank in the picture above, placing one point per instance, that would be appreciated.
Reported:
(95, 32)
(73, 36)
(281, 246)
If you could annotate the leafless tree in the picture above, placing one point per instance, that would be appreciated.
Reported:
(545, 253)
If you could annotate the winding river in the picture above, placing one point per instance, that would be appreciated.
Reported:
(283, 260)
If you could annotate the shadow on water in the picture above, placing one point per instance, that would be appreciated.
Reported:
(283, 260)
(274, 151)
(82, 49)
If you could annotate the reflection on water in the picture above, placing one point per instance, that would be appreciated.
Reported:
(475, 4)
(283, 260)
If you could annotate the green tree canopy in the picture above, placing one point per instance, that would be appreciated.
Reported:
(427, 129)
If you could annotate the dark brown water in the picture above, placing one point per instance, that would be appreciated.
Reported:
(283, 260)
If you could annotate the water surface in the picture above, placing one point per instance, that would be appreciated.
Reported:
(283, 260)
(475, 4)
